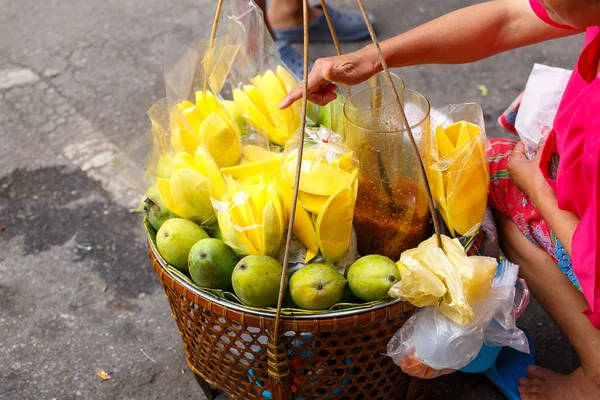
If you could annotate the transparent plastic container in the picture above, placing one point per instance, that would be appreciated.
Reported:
(391, 213)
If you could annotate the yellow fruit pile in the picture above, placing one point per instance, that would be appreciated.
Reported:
(459, 177)
(207, 123)
(446, 277)
(258, 105)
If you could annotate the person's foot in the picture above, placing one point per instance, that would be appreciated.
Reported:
(349, 25)
(542, 384)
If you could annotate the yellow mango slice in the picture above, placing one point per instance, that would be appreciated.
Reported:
(289, 83)
(319, 178)
(271, 229)
(222, 141)
(194, 117)
(190, 194)
(208, 167)
(234, 238)
(164, 190)
(252, 114)
(303, 225)
(334, 225)
(444, 144)
(253, 153)
(312, 202)
(258, 99)
(184, 140)
(252, 169)
(283, 120)
(185, 105)
(184, 160)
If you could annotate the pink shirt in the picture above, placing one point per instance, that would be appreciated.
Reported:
(575, 138)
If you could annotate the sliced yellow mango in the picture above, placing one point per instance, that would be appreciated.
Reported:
(252, 169)
(234, 238)
(320, 179)
(444, 144)
(222, 141)
(184, 140)
(185, 105)
(164, 190)
(253, 153)
(284, 121)
(334, 224)
(312, 202)
(271, 229)
(258, 99)
(252, 114)
(303, 225)
(289, 83)
(208, 167)
(194, 117)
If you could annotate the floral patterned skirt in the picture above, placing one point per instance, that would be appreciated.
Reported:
(511, 201)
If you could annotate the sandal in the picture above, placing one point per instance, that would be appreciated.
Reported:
(292, 60)
(349, 27)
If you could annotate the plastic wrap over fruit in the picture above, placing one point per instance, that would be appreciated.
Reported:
(457, 167)
(430, 344)
(448, 278)
(326, 192)
(259, 78)
(251, 218)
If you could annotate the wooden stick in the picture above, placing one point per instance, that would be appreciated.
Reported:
(336, 41)
(213, 36)
(432, 208)
(283, 390)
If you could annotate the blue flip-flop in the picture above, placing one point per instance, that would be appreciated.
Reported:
(292, 60)
(349, 27)
(510, 366)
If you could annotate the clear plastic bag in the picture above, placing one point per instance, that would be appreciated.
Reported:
(543, 93)
(457, 167)
(327, 192)
(430, 345)
(251, 218)
(448, 278)
(259, 78)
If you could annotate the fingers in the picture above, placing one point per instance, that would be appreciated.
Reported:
(316, 81)
(518, 152)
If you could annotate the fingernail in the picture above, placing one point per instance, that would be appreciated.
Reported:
(282, 104)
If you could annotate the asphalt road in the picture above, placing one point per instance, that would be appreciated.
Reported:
(77, 292)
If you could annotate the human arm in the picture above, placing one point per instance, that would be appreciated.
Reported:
(466, 35)
(527, 176)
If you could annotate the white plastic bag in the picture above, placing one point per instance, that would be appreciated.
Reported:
(542, 96)
(431, 345)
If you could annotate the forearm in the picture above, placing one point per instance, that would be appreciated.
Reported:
(563, 223)
(469, 34)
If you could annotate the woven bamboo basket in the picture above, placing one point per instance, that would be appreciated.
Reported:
(255, 354)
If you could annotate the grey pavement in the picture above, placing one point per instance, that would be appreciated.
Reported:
(77, 292)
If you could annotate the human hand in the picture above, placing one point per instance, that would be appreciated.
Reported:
(525, 173)
(347, 69)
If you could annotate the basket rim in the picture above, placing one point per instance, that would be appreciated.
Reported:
(269, 314)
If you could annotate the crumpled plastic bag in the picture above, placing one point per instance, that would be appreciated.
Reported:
(457, 167)
(543, 93)
(430, 345)
(446, 278)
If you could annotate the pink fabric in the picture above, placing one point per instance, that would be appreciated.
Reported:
(575, 138)
(541, 12)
